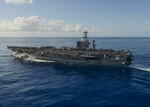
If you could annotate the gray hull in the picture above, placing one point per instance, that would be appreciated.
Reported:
(69, 61)
(82, 54)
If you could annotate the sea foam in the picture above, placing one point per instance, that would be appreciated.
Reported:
(31, 58)
(140, 67)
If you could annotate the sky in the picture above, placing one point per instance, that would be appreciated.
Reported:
(54, 18)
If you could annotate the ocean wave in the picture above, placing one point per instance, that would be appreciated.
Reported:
(145, 69)
(31, 58)
(37, 60)
(140, 67)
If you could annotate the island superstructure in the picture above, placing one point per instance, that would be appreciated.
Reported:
(82, 54)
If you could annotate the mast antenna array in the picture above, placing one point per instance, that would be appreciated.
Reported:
(85, 34)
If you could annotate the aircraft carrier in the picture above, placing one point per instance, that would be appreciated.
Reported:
(82, 54)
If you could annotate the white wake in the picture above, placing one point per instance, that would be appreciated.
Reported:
(145, 69)
(31, 58)
(140, 67)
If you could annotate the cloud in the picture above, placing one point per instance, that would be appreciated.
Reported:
(19, 1)
(147, 23)
(35, 24)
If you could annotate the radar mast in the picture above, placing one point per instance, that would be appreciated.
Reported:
(85, 34)
(84, 42)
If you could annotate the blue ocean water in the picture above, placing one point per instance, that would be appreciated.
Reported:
(25, 84)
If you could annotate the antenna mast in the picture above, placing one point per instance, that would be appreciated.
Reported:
(85, 34)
